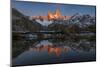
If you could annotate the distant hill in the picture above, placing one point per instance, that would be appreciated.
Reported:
(21, 22)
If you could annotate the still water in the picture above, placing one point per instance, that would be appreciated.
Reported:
(56, 51)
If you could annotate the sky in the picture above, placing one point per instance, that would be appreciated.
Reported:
(36, 9)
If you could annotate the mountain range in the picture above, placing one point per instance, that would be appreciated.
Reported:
(21, 22)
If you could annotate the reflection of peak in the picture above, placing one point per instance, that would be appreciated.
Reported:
(56, 50)
(50, 49)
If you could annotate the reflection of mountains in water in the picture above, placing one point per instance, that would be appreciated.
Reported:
(59, 47)
(45, 45)
(53, 52)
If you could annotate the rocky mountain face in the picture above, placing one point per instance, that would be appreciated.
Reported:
(83, 20)
(21, 22)
(75, 23)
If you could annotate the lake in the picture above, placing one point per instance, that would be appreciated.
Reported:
(51, 51)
